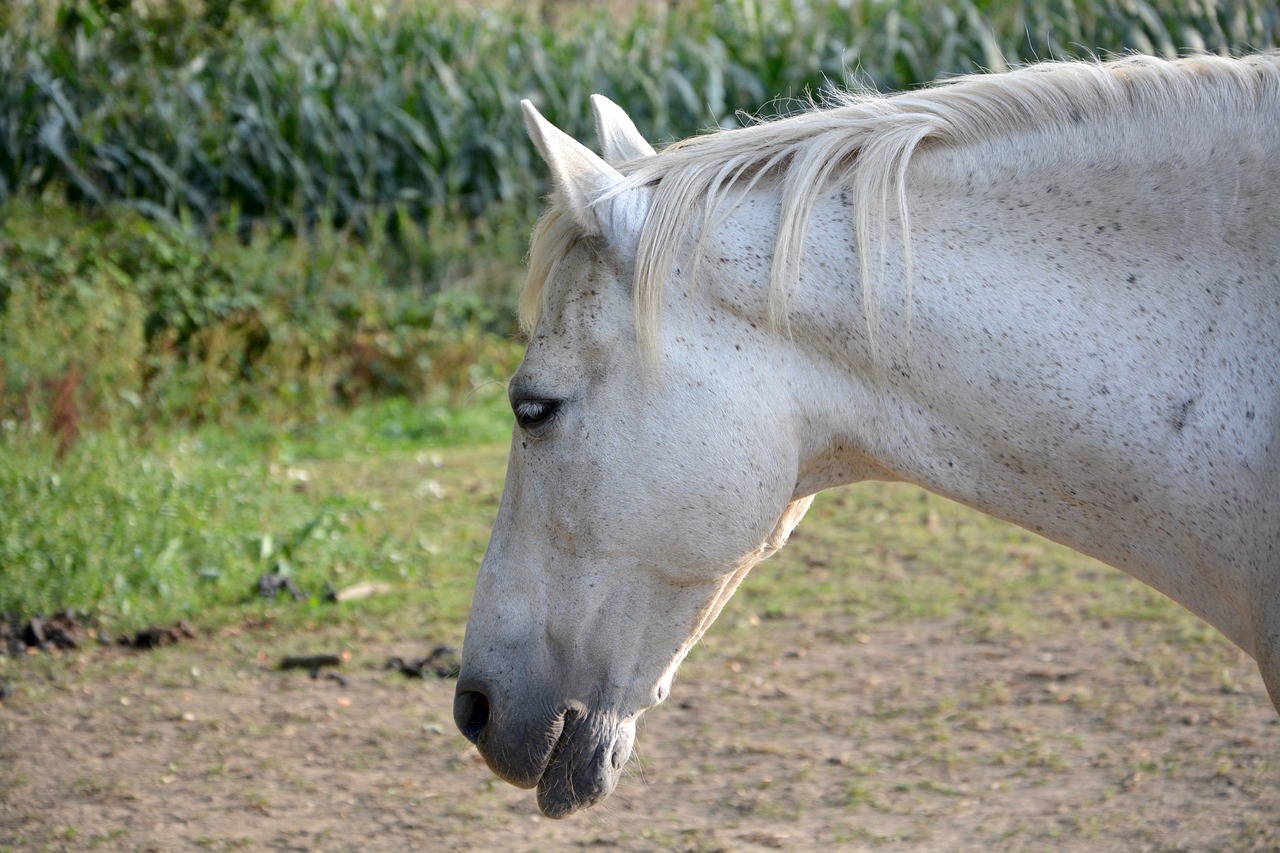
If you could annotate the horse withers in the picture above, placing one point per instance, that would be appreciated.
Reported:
(1051, 294)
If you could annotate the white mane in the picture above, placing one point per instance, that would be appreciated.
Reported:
(865, 142)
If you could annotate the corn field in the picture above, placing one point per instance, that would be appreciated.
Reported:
(212, 209)
(236, 111)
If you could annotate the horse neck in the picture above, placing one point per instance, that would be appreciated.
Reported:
(1013, 238)
(1067, 302)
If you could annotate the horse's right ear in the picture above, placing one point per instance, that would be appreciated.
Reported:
(588, 187)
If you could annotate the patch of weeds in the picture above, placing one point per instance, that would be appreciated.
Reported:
(1256, 834)
(684, 840)
(224, 844)
(890, 708)
(107, 839)
(858, 835)
(991, 693)
(1054, 761)
(857, 792)
(102, 789)
(1018, 829)
(773, 808)
(66, 833)
(11, 780)
(258, 800)
(1037, 755)
(937, 786)
(298, 783)
(1093, 826)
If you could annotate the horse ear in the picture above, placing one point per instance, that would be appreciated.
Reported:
(619, 139)
(588, 187)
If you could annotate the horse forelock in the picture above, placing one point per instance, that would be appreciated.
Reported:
(553, 237)
(864, 143)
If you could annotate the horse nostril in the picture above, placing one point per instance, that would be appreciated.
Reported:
(471, 714)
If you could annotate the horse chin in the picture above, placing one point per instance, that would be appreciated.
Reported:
(585, 763)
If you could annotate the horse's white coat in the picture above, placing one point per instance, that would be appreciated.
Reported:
(1085, 341)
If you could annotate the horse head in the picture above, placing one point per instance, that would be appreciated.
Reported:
(641, 488)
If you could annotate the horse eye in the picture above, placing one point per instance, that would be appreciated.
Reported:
(531, 414)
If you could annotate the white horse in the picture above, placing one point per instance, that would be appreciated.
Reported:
(1051, 294)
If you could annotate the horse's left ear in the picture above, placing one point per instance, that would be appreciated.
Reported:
(619, 139)
(589, 188)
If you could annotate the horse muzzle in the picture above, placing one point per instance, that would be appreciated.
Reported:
(573, 754)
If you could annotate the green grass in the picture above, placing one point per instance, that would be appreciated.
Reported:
(183, 527)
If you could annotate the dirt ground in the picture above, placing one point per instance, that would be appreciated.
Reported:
(798, 734)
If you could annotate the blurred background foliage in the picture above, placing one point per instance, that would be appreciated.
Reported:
(211, 207)
(292, 111)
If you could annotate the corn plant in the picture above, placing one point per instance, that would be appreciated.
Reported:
(323, 109)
